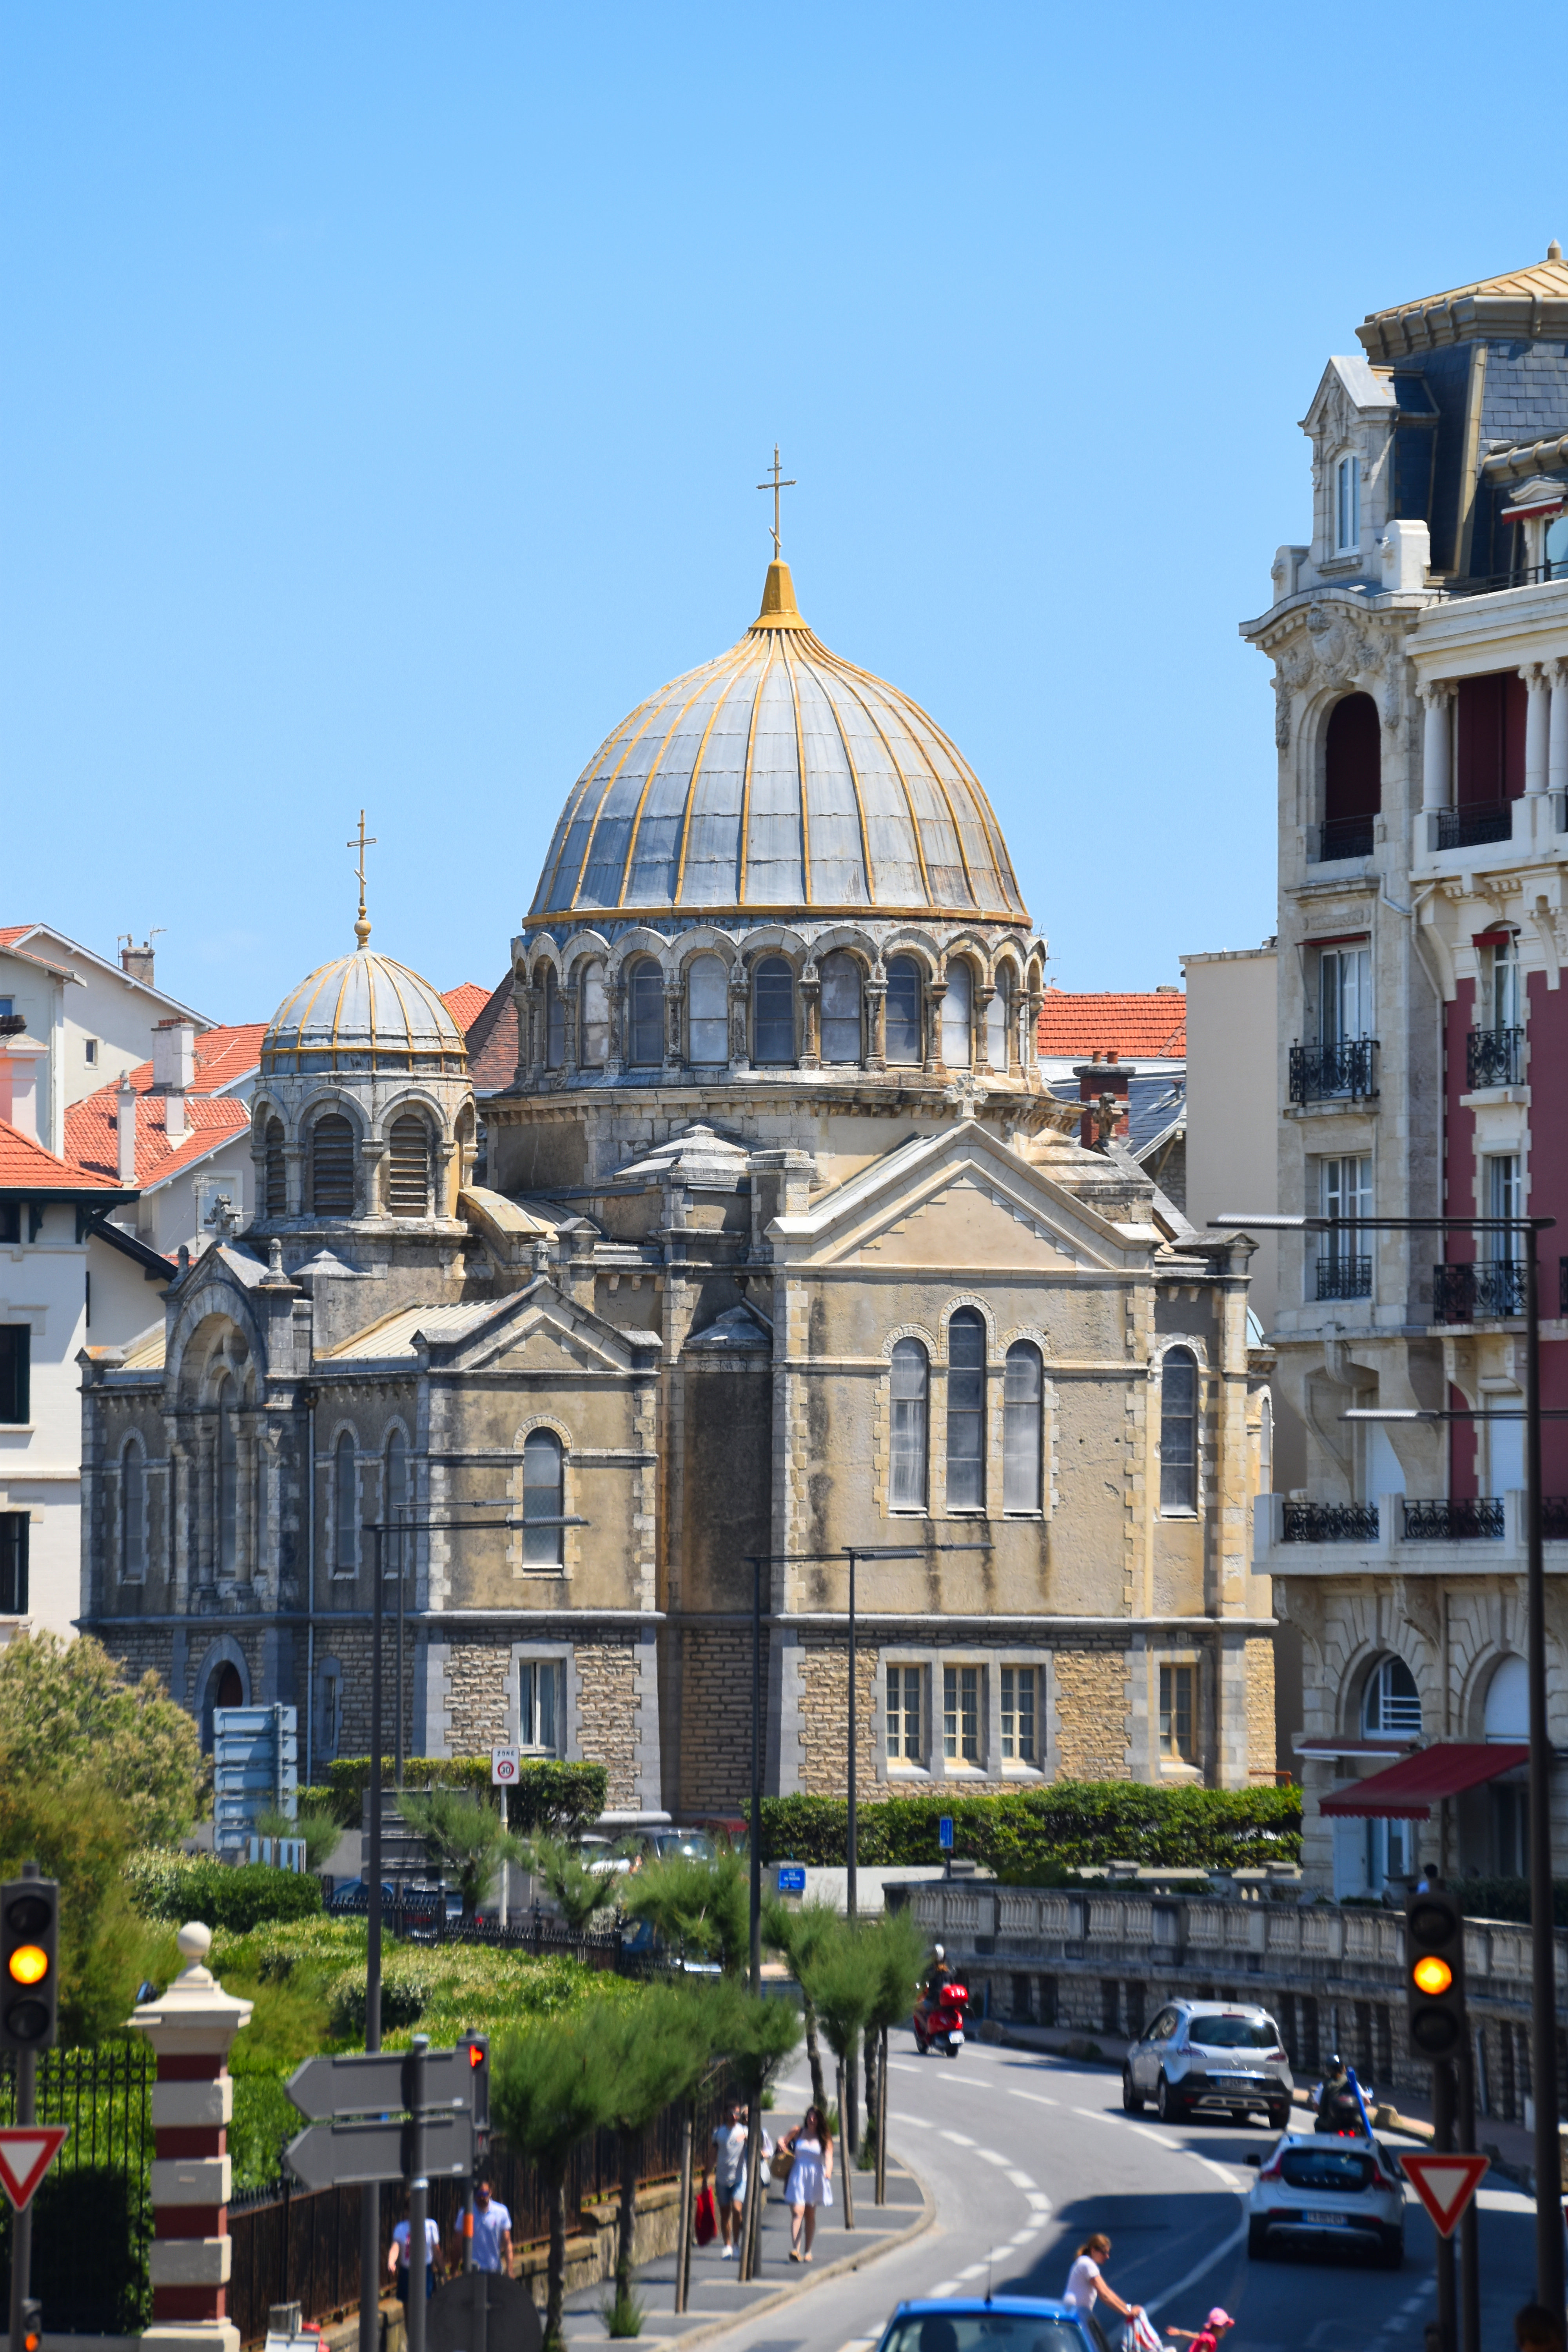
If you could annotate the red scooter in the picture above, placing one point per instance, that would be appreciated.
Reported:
(939, 2018)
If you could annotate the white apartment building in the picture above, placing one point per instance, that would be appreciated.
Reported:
(76, 1019)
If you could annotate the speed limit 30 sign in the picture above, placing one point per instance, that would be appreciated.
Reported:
(504, 1762)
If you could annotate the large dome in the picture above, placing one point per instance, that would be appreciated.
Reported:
(778, 780)
(364, 1011)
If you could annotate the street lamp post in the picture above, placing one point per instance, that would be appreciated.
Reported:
(1549, 2232)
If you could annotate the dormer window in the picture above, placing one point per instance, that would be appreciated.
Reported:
(1347, 506)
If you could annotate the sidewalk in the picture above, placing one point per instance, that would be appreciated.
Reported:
(719, 2300)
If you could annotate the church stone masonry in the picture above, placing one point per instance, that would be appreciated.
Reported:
(778, 1242)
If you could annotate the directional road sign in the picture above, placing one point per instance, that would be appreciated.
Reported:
(792, 1878)
(1444, 2185)
(27, 2152)
(944, 1833)
(377, 2085)
(332, 2155)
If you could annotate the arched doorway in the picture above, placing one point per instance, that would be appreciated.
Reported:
(225, 1688)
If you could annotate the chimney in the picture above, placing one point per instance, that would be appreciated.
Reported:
(175, 1056)
(125, 1116)
(19, 1058)
(174, 1117)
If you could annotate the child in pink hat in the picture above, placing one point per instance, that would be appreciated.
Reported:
(1208, 2337)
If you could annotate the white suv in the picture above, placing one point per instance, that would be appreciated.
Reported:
(1327, 2186)
(1218, 2055)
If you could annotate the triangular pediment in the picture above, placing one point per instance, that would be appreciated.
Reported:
(1349, 389)
(543, 1331)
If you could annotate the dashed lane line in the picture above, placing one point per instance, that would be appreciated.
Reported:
(1226, 2246)
(1040, 2202)
(989, 2156)
(959, 2139)
(1209, 2165)
(944, 2286)
(1037, 2097)
(1021, 2180)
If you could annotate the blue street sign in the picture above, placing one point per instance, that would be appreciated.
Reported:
(944, 1833)
(792, 1878)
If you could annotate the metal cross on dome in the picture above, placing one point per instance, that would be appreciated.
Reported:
(775, 485)
(362, 842)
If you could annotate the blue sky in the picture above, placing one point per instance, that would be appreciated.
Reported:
(383, 389)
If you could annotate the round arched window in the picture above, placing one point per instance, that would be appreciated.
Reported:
(958, 1016)
(1391, 1702)
(906, 1044)
(645, 1016)
(841, 1040)
(408, 1167)
(707, 1010)
(773, 1012)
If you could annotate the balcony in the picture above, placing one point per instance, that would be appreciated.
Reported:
(1446, 1521)
(1493, 1057)
(1330, 1523)
(1472, 828)
(1345, 1278)
(1345, 1072)
(1339, 838)
(1461, 1294)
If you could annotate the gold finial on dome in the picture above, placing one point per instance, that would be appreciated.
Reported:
(779, 610)
(362, 842)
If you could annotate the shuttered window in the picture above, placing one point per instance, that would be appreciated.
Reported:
(275, 1179)
(408, 1167)
(333, 1167)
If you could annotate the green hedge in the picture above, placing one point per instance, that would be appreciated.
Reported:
(1507, 1898)
(1049, 1830)
(547, 1795)
(181, 1886)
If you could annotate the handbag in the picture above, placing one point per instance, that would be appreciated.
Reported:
(705, 2221)
(781, 2164)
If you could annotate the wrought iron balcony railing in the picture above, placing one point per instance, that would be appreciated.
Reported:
(1330, 1523)
(1345, 1278)
(1330, 1073)
(1493, 1057)
(1490, 1290)
(1471, 828)
(1553, 1517)
(1339, 838)
(1446, 1520)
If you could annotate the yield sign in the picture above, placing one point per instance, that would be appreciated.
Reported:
(26, 2153)
(1444, 2185)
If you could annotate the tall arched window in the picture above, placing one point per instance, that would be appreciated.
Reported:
(333, 1166)
(958, 1016)
(773, 1012)
(227, 1479)
(841, 1038)
(906, 1042)
(645, 1010)
(554, 1022)
(707, 1010)
(999, 1020)
(132, 1513)
(966, 1410)
(1179, 1431)
(1021, 1399)
(1353, 777)
(1266, 1445)
(275, 1179)
(346, 1506)
(594, 1017)
(911, 1385)
(396, 1498)
(1391, 1702)
(408, 1167)
(543, 1486)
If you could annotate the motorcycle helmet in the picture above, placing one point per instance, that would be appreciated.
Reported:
(1336, 2064)
(939, 1951)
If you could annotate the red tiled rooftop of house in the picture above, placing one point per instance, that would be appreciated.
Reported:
(223, 1055)
(92, 1132)
(24, 1162)
(1152, 1025)
(465, 1004)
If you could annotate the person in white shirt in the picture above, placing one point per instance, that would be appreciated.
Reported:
(492, 2234)
(1086, 2281)
(397, 2257)
(730, 2173)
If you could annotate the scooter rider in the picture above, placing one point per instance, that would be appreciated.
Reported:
(939, 1973)
(1338, 2110)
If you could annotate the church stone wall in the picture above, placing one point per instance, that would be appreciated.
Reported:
(1260, 1748)
(608, 1716)
(824, 1718)
(714, 1728)
(1091, 1712)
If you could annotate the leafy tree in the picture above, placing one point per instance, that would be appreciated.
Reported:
(696, 1906)
(654, 2053)
(802, 1936)
(67, 1710)
(317, 1824)
(901, 1956)
(77, 1831)
(754, 2034)
(843, 1979)
(463, 1838)
(579, 1890)
(549, 2089)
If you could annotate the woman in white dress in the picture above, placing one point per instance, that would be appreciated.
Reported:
(810, 2182)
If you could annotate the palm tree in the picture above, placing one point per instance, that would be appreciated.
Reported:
(549, 2089)
(462, 1837)
(696, 1906)
(577, 1890)
(802, 1936)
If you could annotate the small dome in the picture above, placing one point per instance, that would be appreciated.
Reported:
(364, 1011)
(778, 780)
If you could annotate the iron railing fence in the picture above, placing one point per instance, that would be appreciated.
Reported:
(1330, 1523)
(1492, 1289)
(1449, 1519)
(1324, 1073)
(1472, 828)
(1345, 1278)
(92, 2214)
(1339, 838)
(1493, 1057)
(1553, 1517)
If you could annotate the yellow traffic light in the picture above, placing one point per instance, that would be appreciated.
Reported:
(1431, 1975)
(29, 1964)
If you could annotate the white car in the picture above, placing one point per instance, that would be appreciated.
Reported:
(1320, 2186)
(1224, 2055)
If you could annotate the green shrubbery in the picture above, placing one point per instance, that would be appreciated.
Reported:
(181, 1886)
(547, 1795)
(1035, 1836)
(1507, 1898)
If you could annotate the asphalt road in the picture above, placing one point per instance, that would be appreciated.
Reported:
(1026, 2154)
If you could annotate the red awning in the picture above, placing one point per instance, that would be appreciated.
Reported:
(1408, 1790)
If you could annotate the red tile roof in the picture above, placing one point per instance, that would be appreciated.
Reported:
(492, 1042)
(465, 1004)
(223, 1056)
(92, 1132)
(11, 933)
(1154, 1026)
(23, 1162)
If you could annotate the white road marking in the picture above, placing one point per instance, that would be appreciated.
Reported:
(1038, 2097)
(1095, 2115)
(1024, 2237)
(1021, 2180)
(959, 2139)
(989, 2156)
(903, 2066)
(946, 2286)
(1145, 2131)
(1218, 2170)
(1039, 2201)
(1227, 2246)
(920, 2123)
(975, 2270)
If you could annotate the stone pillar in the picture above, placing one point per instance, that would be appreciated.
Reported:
(1436, 790)
(983, 996)
(1557, 729)
(935, 990)
(811, 1025)
(192, 2029)
(1537, 679)
(877, 1002)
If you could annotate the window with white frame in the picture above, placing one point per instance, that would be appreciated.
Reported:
(905, 1743)
(1022, 1386)
(1505, 1003)
(961, 1714)
(1344, 995)
(1344, 1192)
(1179, 1431)
(132, 1513)
(1504, 1194)
(541, 1705)
(1178, 1734)
(910, 1400)
(1019, 1689)
(1347, 506)
(543, 1498)
(1391, 1702)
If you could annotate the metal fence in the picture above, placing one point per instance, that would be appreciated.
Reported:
(93, 2211)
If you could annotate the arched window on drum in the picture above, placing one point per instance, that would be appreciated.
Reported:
(408, 1167)
(333, 1166)
(773, 1012)
(958, 1016)
(593, 1017)
(999, 1020)
(554, 1022)
(707, 1011)
(645, 1016)
(275, 1183)
(841, 992)
(905, 1026)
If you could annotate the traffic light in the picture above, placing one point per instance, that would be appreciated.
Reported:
(29, 1963)
(32, 2324)
(1434, 1974)
(478, 2046)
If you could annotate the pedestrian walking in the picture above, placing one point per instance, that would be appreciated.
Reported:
(397, 2257)
(1207, 2337)
(810, 2182)
(491, 2232)
(730, 2173)
(1086, 2281)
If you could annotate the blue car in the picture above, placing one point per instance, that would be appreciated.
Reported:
(1022, 2323)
